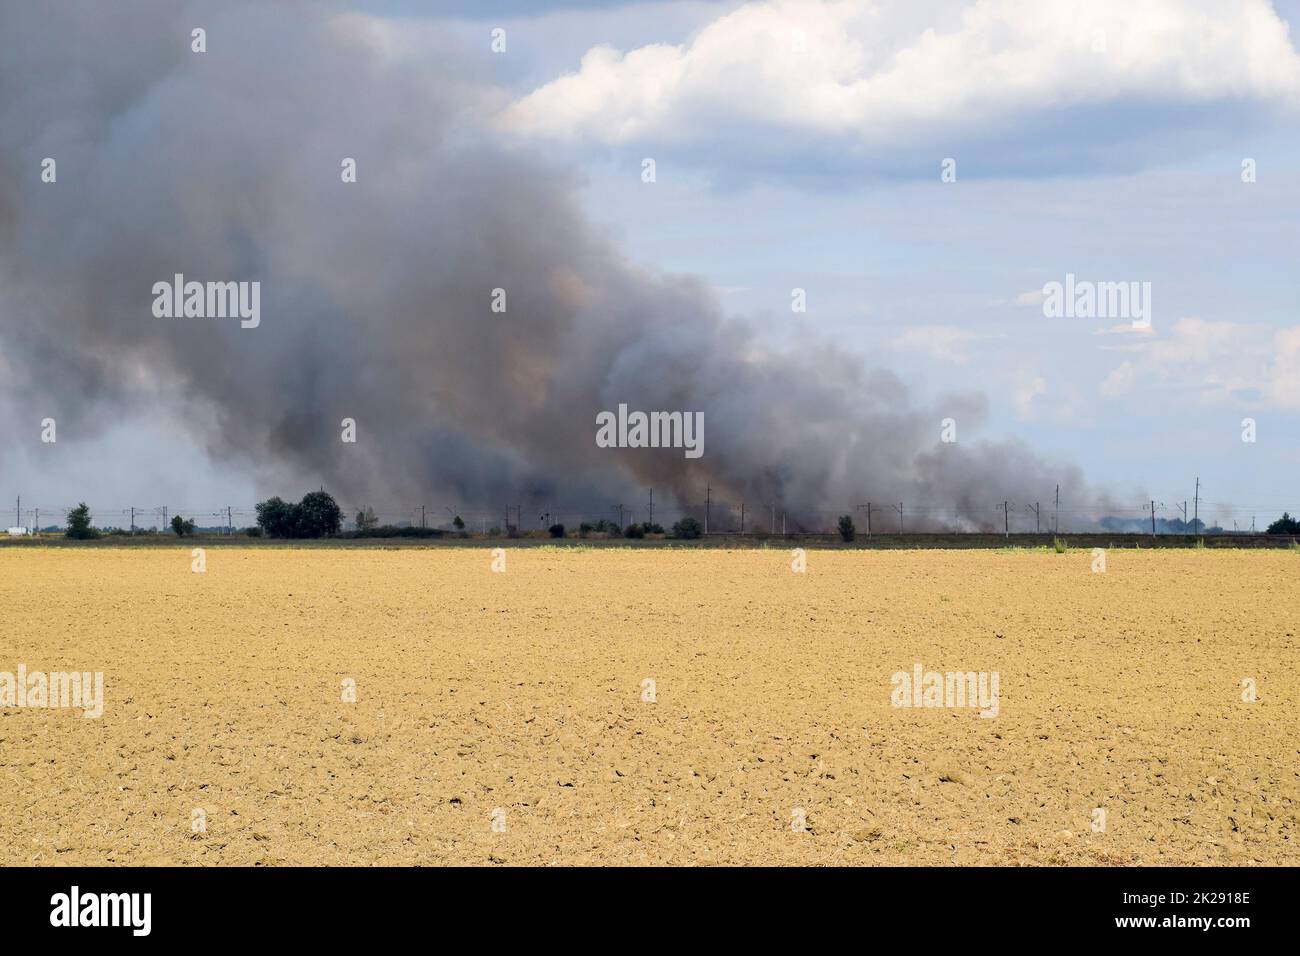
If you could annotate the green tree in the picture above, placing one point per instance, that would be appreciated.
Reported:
(1285, 525)
(458, 523)
(847, 530)
(79, 523)
(182, 526)
(366, 519)
(278, 518)
(318, 515)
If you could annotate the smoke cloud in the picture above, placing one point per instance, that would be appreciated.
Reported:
(376, 296)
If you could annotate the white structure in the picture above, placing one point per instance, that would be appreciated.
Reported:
(18, 532)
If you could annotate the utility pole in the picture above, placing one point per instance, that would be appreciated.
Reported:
(18, 513)
(620, 519)
(708, 503)
(1006, 519)
(783, 524)
(1036, 510)
(742, 517)
(1196, 505)
(230, 520)
(164, 527)
(771, 525)
(422, 517)
(868, 519)
(652, 506)
(133, 519)
(899, 509)
(1153, 519)
(36, 522)
(1056, 525)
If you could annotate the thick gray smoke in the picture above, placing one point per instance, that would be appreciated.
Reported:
(375, 296)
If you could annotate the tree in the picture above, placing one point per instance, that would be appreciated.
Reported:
(182, 526)
(277, 518)
(687, 528)
(79, 523)
(634, 531)
(366, 519)
(1285, 525)
(458, 523)
(847, 530)
(318, 515)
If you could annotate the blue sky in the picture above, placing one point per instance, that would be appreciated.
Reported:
(1115, 159)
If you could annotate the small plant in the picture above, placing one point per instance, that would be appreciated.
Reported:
(556, 530)
(847, 531)
(634, 531)
(1060, 545)
(1200, 544)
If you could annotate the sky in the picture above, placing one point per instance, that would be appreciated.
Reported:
(802, 145)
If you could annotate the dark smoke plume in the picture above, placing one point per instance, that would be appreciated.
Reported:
(376, 296)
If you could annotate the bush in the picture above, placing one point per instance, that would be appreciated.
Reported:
(79, 524)
(253, 532)
(392, 531)
(512, 531)
(634, 531)
(847, 530)
(1285, 525)
(650, 528)
(458, 523)
(1059, 545)
(585, 529)
(494, 532)
(688, 528)
(556, 530)
(182, 526)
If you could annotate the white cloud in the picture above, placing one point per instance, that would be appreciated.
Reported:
(875, 72)
(1220, 362)
(945, 343)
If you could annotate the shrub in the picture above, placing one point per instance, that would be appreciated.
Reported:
(585, 529)
(458, 523)
(634, 531)
(253, 532)
(512, 531)
(847, 530)
(79, 523)
(494, 531)
(556, 530)
(182, 526)
(688, 528)
(1059, 545)
(650, 528)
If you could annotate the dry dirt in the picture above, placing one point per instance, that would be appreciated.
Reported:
(521, 692)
